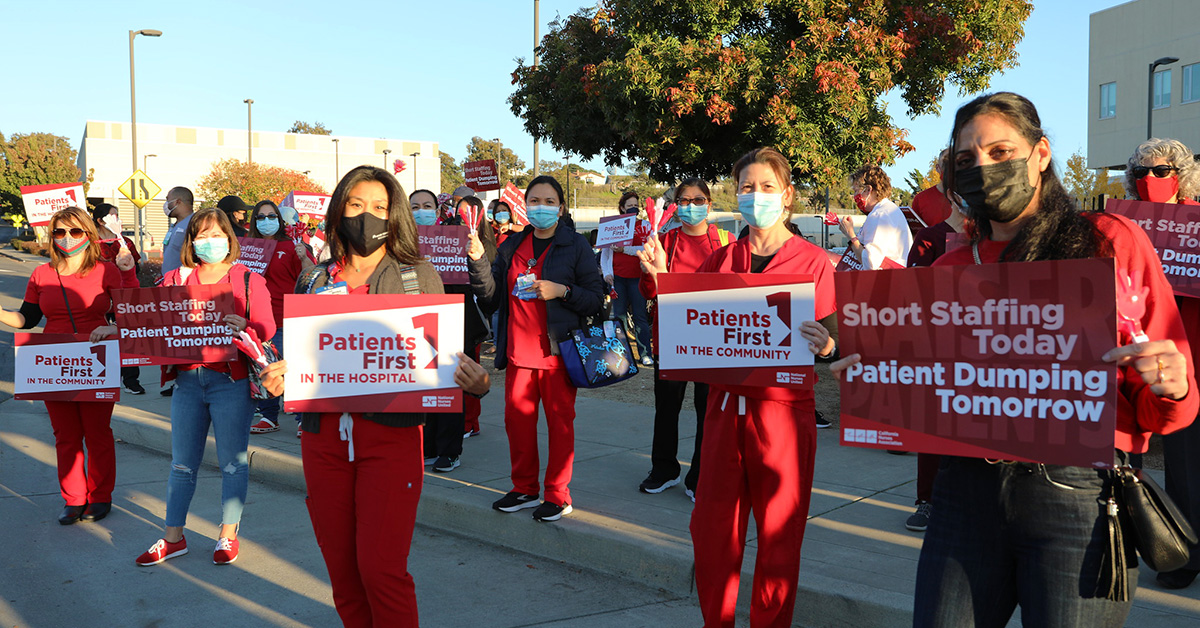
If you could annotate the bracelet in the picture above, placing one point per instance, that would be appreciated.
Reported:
(478, 396)
(854, 240)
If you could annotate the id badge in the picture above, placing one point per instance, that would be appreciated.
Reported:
(524, 289)
(334, 288)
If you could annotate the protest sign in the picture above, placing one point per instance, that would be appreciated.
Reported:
(175, 324)
(616, 231)
(307, 204)
(1174, 230)
(915, 222)
(41, 201)
(66, 367)
(256, 253)
(735, 328)
(850, 261)
(372, 352)
(512, 196)
(989, 361)
(446, 248)
(481, 175)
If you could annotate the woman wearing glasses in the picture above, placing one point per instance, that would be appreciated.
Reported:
(74, 293)
(1163, 171)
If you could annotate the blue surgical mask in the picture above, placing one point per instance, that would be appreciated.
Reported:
(267, 225)
(693, 214)
(542, 216)
(503, 217)
(760, 209)
(425, 217)
(212, 250)
(490, 215)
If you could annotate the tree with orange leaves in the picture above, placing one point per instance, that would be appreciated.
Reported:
(252, 182)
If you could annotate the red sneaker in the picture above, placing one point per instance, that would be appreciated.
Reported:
(226, 552)
(161, 551)
(264, 426)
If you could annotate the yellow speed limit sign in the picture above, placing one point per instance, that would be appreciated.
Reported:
(139, 188)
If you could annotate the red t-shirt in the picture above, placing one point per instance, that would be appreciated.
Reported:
(1139, 410)
(629, 266)
(528, 335)
(89, 297)
(260, 302)
(281, 275)
(931, 205)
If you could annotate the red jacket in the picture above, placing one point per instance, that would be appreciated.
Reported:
(1139, 411)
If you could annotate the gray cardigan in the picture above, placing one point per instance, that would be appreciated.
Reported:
(386, 279)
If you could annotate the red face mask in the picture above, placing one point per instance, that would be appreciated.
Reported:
(1156, 190)
(861, 203)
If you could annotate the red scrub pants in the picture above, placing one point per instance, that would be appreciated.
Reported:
(761, 459)
(523, 390)
(77, 423)
(363, 513)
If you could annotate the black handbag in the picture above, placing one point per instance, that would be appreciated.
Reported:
(598, 354)
(1160, 531)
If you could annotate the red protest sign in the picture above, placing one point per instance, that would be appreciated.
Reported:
(66, 367)
(915, 222)
(446, 248)
(850, 261)
(1174, 230)
(733, 328)
(307, 204)
(989, 361)
(481, 175)
(41, 201)
(256, 253)
(515, 200)
(175, 324)
(372, 352)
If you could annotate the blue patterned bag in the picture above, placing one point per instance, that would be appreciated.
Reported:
(598, 355)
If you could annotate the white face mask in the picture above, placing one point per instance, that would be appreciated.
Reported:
(167, 208)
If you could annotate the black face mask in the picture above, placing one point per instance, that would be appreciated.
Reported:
(998, 192)
(365, 233)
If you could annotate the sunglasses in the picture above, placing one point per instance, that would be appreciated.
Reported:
(75, 233)
(1161, 172)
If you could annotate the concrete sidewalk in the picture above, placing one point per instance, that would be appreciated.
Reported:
(859, 563)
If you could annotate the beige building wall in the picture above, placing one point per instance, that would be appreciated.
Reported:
(1124, 40)
(185, 154)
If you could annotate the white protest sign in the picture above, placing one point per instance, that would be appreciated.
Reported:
(616, 231)
(41, 201)
(65, 367)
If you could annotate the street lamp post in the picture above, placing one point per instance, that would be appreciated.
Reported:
(386, 152)
(144, 158)
(1150, 91)
(414, 156)
(133, 119)
(337, 168)
(249, 134)
(536, 4)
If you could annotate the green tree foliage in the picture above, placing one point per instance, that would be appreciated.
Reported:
(507, 162)
(689, 86)
(316, 128)
(1086, 185)
(252, 182)
(452, 173)
(35, 159)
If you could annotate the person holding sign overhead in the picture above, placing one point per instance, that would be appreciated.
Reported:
(759, 442)
(216, 393)
(1011, 534)
(73, 291)
(1163, 171)
(544, 282)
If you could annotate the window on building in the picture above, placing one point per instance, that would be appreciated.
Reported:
(1108, 100)
(1191, 83)
(1162, 89)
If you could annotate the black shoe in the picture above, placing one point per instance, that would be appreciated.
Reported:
(168, 391)
(134, 388)
(550, 511)
(445, 464)
(1178, 579)
(822, 422)
(71, 514)
(515, 501)
(96, 512)
(653, 486)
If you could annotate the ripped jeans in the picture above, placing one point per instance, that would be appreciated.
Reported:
(203, 397)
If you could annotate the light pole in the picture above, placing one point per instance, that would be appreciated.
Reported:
(337, 169)
(249, 135)
(1150, 91)
(133, 118)
(536, 4)
(414, 156)
(386, 152)
(144, 158)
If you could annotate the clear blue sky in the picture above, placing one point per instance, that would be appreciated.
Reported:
(438, 71)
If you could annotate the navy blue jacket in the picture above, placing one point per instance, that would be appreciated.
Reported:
(569, 261)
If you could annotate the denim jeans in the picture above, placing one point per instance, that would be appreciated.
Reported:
(203, 397)
(269, 408)
(1022, 534)
(630, 299)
